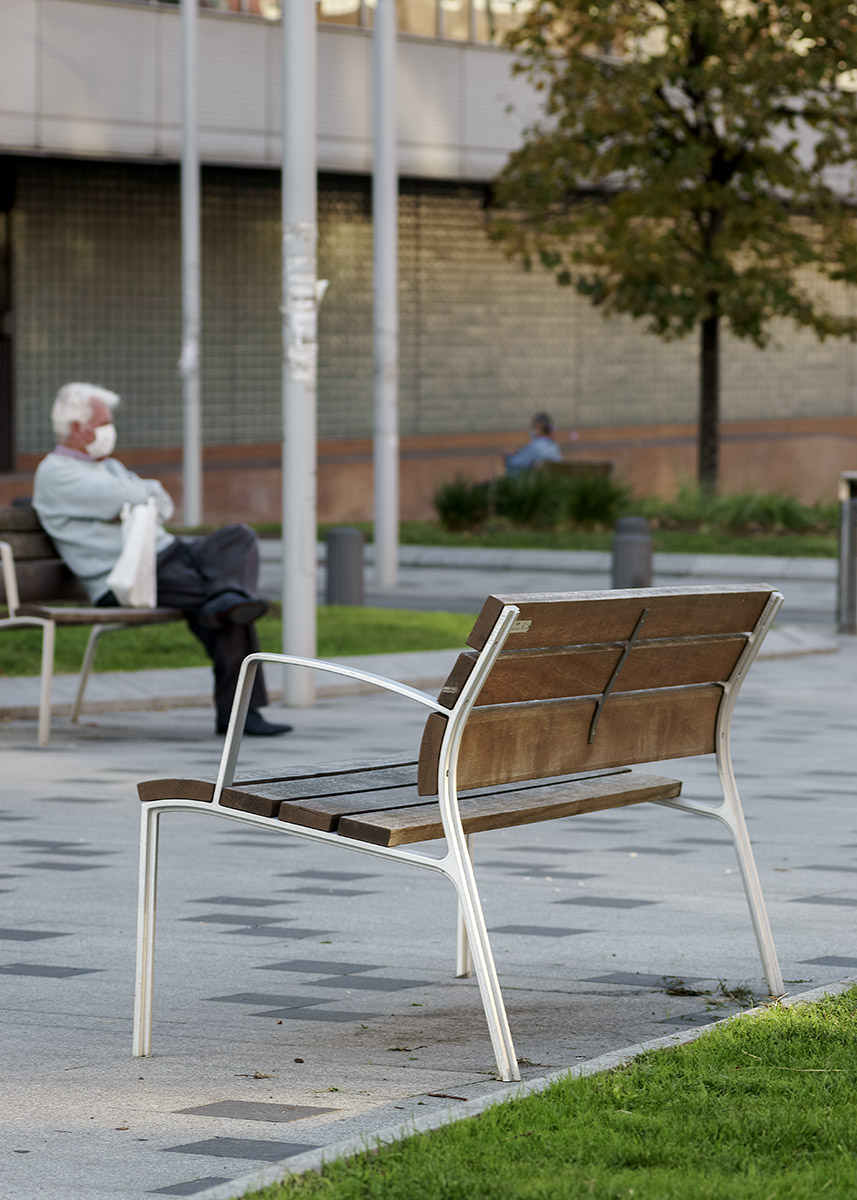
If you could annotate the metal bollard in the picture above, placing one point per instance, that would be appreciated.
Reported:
(632, 553)
(846, 608)
(344, 566)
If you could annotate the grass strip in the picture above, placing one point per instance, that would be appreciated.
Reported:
(342, 631)
(667, 541)
(759, 1108)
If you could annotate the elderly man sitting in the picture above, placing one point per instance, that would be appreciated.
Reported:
(78, 494)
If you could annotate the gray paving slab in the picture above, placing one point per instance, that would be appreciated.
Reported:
(593, 925)
(440, 577)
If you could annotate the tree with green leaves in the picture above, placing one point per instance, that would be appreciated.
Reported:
(692, 167)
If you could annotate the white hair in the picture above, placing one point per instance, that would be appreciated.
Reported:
(74, 403)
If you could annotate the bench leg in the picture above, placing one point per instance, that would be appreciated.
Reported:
(146, 906)
(460, 871)
(735, 823)
(47, 674)
(731, 814)
(86, 668)
(463, 959)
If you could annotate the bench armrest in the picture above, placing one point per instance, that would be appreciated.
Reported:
(241, 703)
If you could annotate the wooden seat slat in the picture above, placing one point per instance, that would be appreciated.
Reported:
(343, 773)
(326, 813)
(269, 799)
(62, 614)
(511, 807)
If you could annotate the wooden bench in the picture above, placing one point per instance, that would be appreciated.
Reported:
(39, 590)
(559, 695)
(580, 468)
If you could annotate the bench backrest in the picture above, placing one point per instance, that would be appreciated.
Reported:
(41, 573)
(592, 680)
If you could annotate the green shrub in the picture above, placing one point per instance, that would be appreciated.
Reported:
(536, 500)
(749, 512)
(533, 499)
(689, 509)
(462, 505)
(741, 513)
(594, 500)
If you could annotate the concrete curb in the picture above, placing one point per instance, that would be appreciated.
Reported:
(488, 558)
(313, 1160)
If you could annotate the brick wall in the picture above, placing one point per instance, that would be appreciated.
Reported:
(484, 344)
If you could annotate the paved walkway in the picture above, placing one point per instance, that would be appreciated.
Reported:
(439, 577)
(304, 996)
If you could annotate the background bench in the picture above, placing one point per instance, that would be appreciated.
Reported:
(541, 719)
(39, 591)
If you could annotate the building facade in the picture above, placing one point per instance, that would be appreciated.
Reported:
(90, 271)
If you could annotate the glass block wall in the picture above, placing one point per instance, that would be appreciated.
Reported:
(96, 262)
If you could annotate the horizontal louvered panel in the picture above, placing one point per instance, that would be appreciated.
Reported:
(587, 670)
(580, 618)
(537, 740)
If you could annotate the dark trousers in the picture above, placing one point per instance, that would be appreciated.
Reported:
(191, 572)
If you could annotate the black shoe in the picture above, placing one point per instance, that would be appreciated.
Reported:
(257, 726)
(231, 608)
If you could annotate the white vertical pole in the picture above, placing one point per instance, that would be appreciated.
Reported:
(189, 362)
(300, 346)
(385, 225)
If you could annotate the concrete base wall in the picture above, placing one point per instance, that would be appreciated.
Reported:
(801, 458)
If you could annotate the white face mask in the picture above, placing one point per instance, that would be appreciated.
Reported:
(104, 442)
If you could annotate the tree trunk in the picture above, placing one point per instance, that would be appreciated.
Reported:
(709, 403)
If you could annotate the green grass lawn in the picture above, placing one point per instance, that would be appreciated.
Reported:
(342, 631)
(761, 1108)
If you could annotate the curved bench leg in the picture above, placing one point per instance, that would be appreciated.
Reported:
(463, 958)
(86, 667)
(146, 908)
(734, 822)
(731, 814)
(486, 972)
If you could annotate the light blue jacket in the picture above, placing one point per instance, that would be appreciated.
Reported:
(539, 449)
(78, 500)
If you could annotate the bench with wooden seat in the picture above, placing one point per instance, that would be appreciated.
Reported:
(541, 719)
(40, 591)
(579, 468)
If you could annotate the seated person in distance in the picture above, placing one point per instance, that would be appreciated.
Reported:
(540, 448)
(79, 490)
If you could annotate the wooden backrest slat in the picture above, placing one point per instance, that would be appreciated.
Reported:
(586, 670)
(588, 680)
(18, 519)
(29, 545)
(511, 742)
(40, 572)
(580, 618)
(45, 580)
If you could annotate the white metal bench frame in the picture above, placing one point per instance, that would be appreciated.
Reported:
(48, 628)
(18, 619)
(456, 864)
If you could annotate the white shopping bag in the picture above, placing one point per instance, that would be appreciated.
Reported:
(132, 580)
